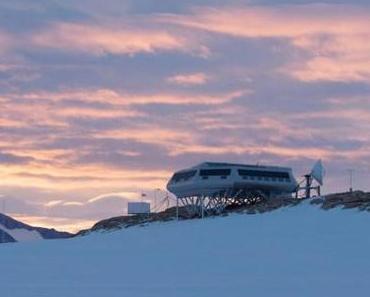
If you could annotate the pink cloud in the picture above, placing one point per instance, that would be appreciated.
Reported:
(337, 58)
(275, 150)
(124, 99)
(96, 113)
(278, 21)
(189, 79)
(165, 137)
(342, 55)
(118, 39)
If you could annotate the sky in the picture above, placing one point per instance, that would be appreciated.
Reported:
(102, 100)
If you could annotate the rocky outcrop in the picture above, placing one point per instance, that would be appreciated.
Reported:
(129, 221)
(355, 200)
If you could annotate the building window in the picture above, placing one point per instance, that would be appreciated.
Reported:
(265, 175)
(215, 172)
(183, 176)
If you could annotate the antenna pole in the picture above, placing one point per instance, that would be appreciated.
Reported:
(351, 171)
(155, 200)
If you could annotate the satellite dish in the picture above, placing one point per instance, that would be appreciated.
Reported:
(318, 172)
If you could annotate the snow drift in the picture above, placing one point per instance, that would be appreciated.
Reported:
(294, 251)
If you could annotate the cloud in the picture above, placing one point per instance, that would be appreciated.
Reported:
(337, 58)
(16, 205)
(103, 39)
(119, 98)
(64, 215)
(7, 158)
(151, 134)
(6, 42)
(278, 21)
(224, 129)
(53, 203)
(86, 212)
(334, 36)
(189, 79)
(96, 113)
(68, 177)
(72, 225)
(123, 195)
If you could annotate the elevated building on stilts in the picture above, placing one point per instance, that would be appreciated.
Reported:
(210, 187)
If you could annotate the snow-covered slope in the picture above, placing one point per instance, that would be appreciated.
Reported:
(297, 251)
(12, 230)
(22, 234)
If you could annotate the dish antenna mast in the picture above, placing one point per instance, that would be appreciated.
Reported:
(316, 175)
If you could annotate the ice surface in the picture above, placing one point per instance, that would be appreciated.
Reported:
(299, 251)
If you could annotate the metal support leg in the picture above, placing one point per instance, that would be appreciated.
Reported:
(177, 209)
(202, 206)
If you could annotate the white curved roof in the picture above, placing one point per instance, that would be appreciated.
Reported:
(209, 178)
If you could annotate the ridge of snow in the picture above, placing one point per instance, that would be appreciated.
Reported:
(299, 251)
(21, 235)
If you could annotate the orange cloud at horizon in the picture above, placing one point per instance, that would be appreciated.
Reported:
(61, 224)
